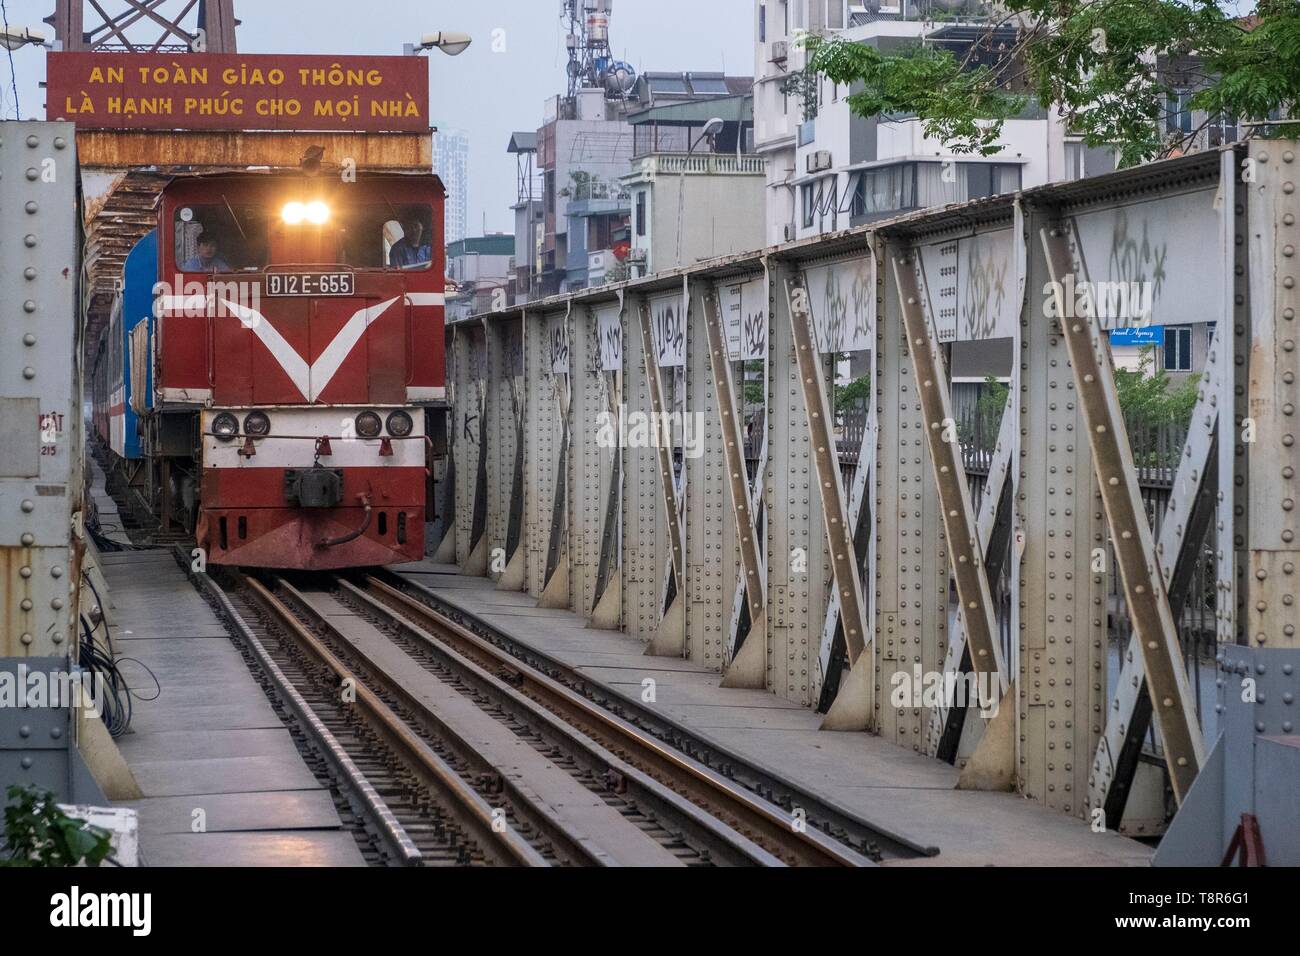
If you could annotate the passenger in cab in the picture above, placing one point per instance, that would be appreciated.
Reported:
(408, 251)
(207, 259)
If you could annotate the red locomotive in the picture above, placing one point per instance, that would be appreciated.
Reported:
(298, 342)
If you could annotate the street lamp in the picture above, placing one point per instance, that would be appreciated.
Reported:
(711, 129)
(13, 38)
(449, 42)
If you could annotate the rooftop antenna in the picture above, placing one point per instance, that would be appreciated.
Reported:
(587, 42)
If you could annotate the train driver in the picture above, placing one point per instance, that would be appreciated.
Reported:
(409, 251)
(207, 259)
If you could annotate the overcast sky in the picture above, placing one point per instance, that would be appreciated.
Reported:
(490, 94)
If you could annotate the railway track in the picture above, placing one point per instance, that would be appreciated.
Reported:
(462, 758)
(648, 738)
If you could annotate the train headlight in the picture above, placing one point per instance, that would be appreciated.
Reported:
(399, 424)
(293, 213)
(257, 424)
(225, 426)
(369, 425)
(317, 213)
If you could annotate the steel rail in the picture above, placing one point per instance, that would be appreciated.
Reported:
(725, 845)
(783, 833)
(531, 807)
(434, 773)
(873, 839)
(367, 801)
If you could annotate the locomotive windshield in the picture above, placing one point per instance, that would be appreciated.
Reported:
(240, 237)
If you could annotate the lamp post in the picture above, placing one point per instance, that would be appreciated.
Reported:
(449, 42)
(711, 129)
(13, 38)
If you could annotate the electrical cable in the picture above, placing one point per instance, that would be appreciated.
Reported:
(13, 74)
(115, 704)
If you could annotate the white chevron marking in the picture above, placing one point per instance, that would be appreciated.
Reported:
(310, 380)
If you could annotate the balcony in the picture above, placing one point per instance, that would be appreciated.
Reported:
(697, 164)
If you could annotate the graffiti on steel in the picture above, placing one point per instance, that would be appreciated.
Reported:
(744, 311)
(609, 330)
(986, 307)
(1154, 260)
(558, 332)
(668, 324)
(843, 304)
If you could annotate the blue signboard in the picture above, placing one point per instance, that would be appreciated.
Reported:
(1143, 335)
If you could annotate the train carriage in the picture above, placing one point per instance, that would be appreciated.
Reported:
(297, 343)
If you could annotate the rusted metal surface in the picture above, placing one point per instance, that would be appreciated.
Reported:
(209, 149)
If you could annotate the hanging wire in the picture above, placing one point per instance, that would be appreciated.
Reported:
(13, 74)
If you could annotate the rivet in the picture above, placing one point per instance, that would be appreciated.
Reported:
(29, 273)
(28, 539)
(60, 142)
(26, 639)
(28, 506)
(33, 173)
(29, 339)
(25, 571)
(29, 372)
(29, 241)
(31, 207)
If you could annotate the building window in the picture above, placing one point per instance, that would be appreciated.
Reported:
(1178, 115)
(762, 23)
(640, 213)
(835, 14)
(1178, 348)
(1222, 130)
(807, 132)
(808, 198)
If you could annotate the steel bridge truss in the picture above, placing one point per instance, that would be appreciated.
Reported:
(663, 457)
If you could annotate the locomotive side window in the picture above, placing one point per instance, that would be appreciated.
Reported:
(387, 235)
(220, 237)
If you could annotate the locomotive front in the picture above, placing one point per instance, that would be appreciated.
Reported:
(302, 321)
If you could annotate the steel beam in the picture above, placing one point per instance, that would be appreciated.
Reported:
(1058, 594)
(733, 448)
(1187, 516)
(946, 722)
(1271, 553)
(965, 550)
(1134, 548)
(555, 592)
(834, 511)
(669, 639)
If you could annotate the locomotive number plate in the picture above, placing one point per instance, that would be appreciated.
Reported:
(310, 283)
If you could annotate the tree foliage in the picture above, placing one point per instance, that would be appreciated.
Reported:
(38, 833)
(1110, 66)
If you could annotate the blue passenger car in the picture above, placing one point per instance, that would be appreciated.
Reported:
(129, 352)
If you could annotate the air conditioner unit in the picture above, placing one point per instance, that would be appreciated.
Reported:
(636, 255)
(789, 232)
(819, 160)
(780, 51)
